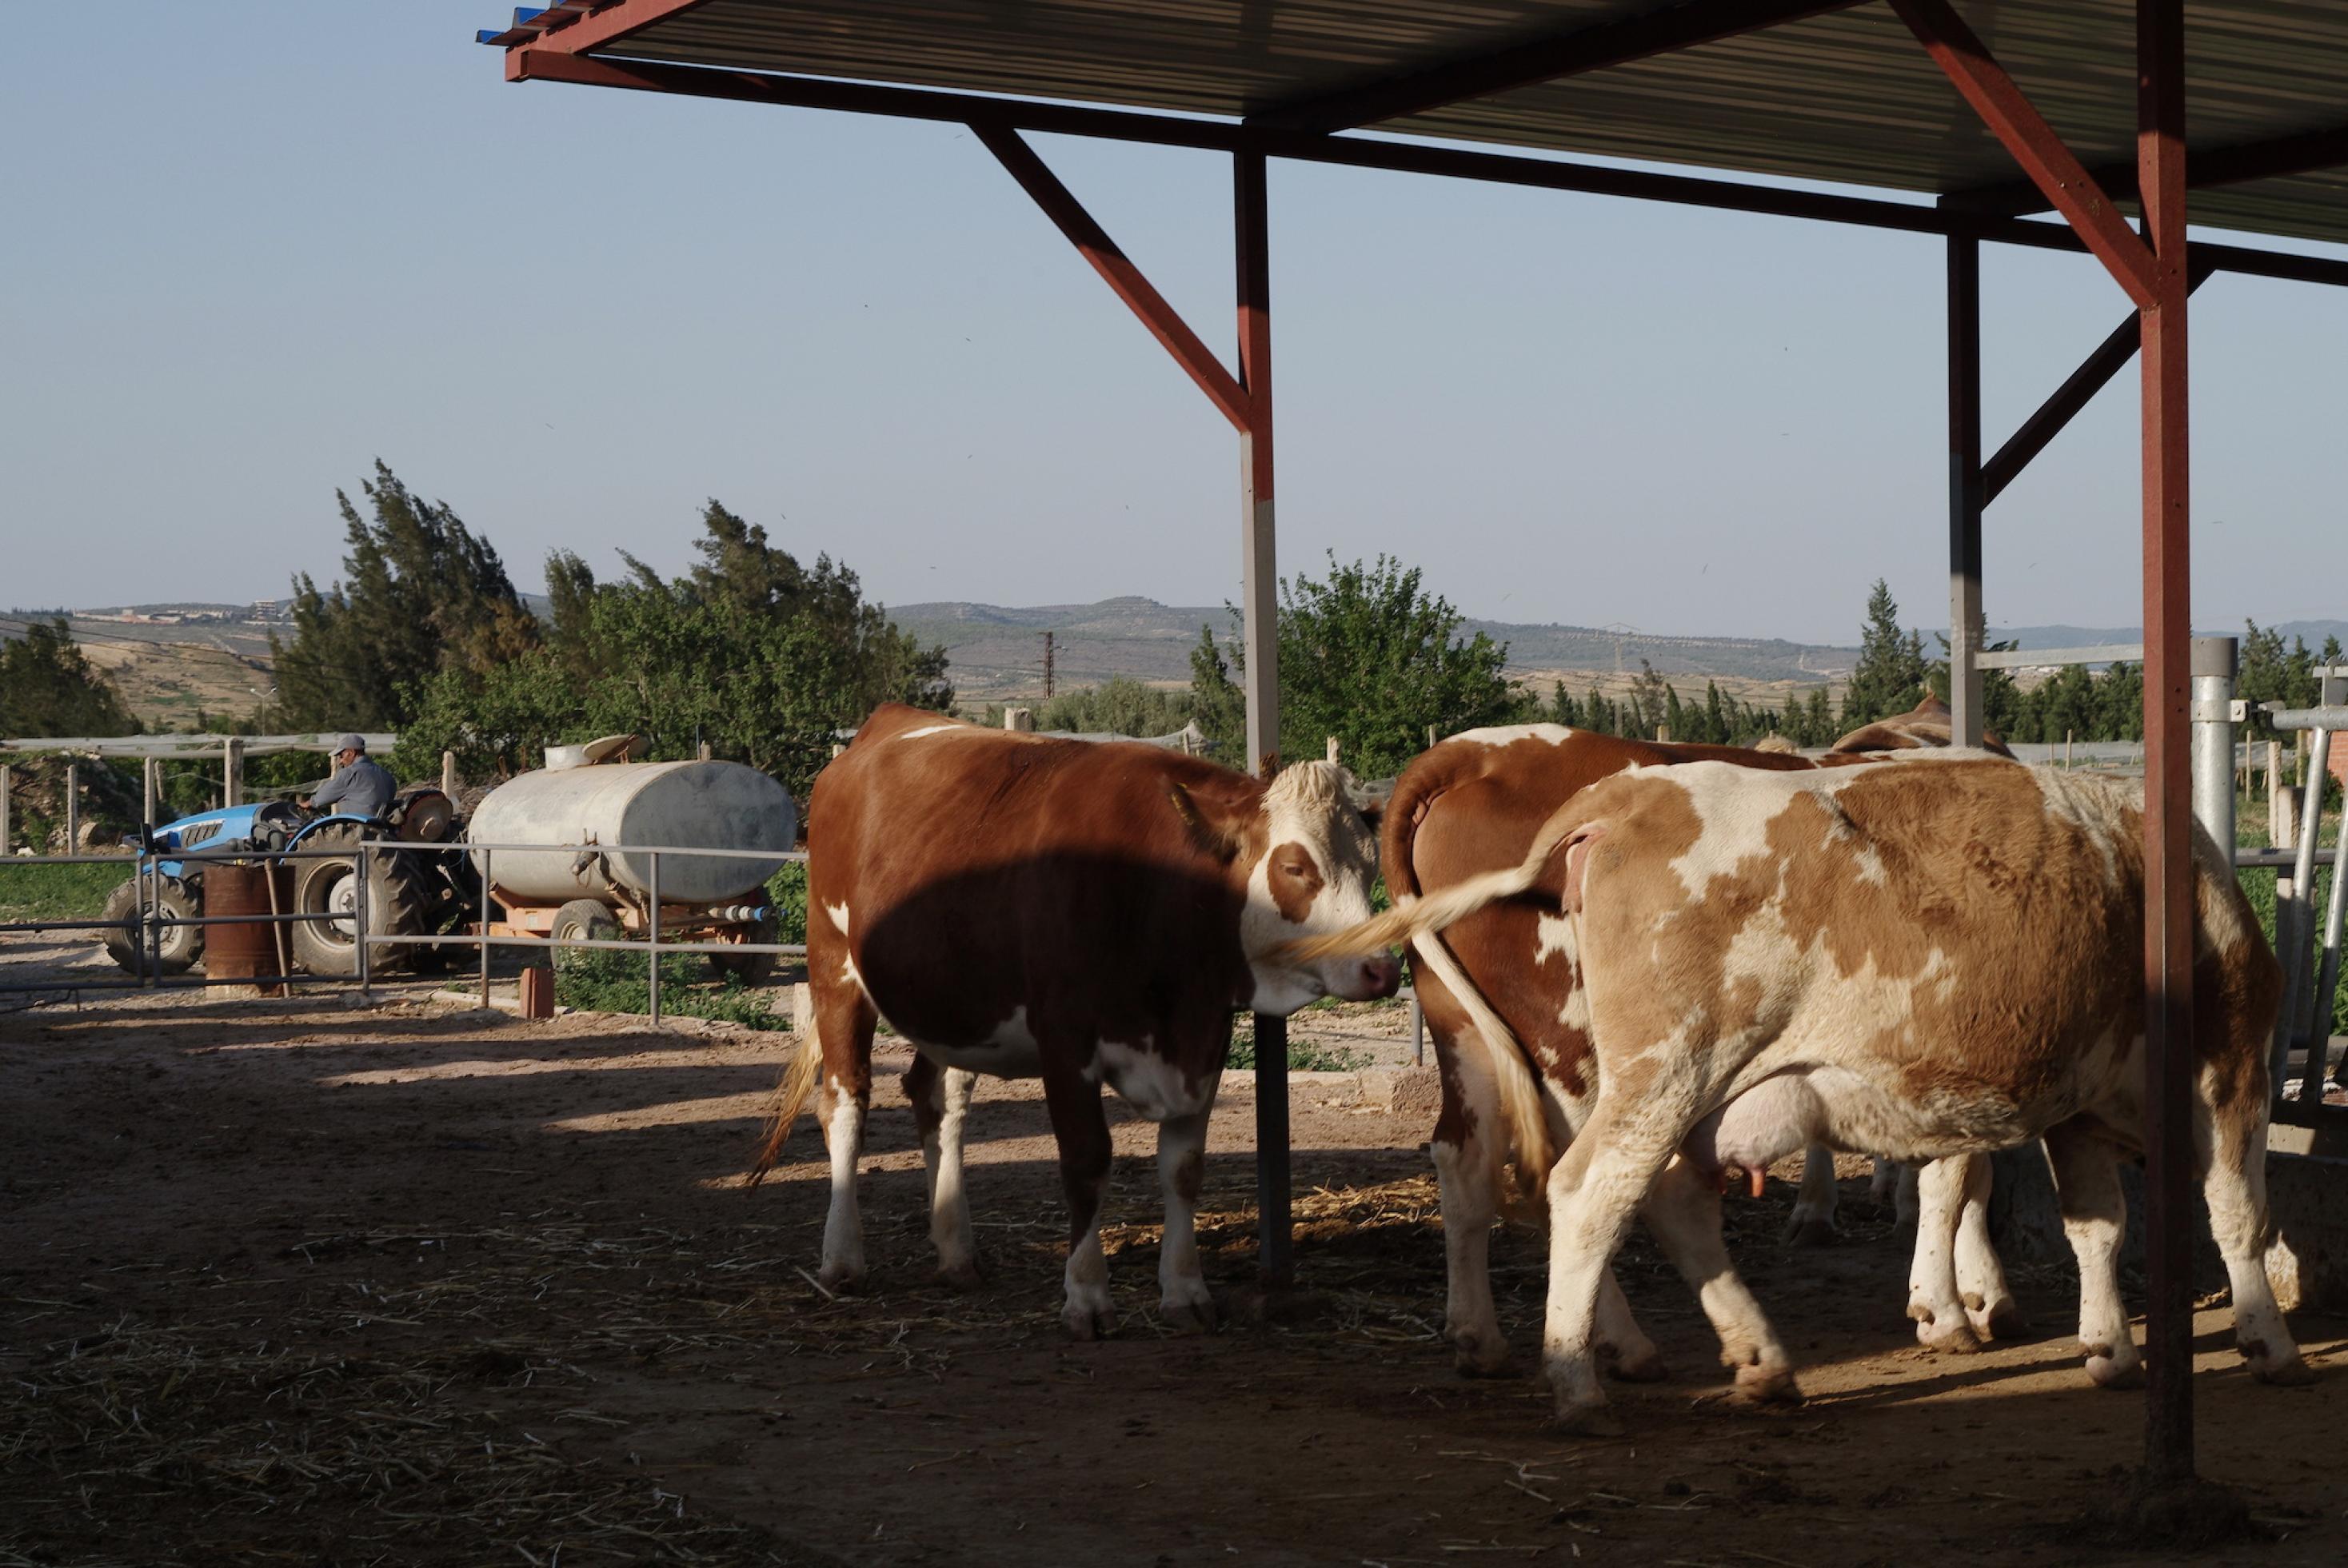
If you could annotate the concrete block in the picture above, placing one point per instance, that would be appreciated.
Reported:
(1412, 1093)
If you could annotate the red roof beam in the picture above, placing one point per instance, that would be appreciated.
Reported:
(2306, 152)
(2057, 172)
(1117, 269)
(1532, 61)
(590, 29)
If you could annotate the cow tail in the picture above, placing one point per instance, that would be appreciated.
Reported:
(790, 1097)
(1523, 1113)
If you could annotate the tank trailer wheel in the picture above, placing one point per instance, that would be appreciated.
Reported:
(750, 968)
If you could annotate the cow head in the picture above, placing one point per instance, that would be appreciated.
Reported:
(1309, 856)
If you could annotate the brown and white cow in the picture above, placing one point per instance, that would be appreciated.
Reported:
(1028, 906)
(1470, 806)
(1927, 958)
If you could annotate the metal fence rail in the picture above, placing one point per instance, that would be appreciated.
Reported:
(149, 922)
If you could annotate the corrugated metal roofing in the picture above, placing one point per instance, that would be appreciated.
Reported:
(1846, 96)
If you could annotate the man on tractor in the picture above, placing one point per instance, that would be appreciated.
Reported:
(360, 785)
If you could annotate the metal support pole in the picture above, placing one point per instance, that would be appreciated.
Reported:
(147, 770)
(2168, 846)
(2213, 660)
(7, 800)
(73, 808)
(1260, 600)
(652, 937)
(488, 884)
(2294, 908)
(232, 770)
(360, 866)
(1965, 495)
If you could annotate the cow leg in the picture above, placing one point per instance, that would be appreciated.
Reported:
(1881, 1181)
(1684, 1213)
(1812, 1223)
(1595, 1193)
(1466, 1171)
(1905, 1208)
(941, 1097)
(1184, 1300)
(1080, 1125)
(2095, 1219)
(844, 1019)
(1932, 1293)
(1990, 1305)
(2235, 1185)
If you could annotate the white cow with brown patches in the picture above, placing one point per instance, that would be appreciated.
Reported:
(1028, 906)
(1926, 959)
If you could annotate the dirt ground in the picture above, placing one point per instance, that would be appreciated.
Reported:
(306, 1283)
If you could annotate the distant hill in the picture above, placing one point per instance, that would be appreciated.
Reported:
(215, 656)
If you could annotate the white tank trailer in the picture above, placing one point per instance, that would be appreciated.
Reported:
(588, 891)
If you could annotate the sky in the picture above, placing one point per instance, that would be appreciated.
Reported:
(249, 250)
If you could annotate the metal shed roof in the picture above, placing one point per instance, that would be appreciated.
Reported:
(1835, 91)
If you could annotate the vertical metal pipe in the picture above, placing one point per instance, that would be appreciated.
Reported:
(488, 882)
(7, 802)
(2294, 914)
(2167, 845)
(148, 790)
(1417, 1030)
(232, 770)
(360, 866)
(652, 937)
(73, 808)
(2212, 661)
(1965, 491)
(2327, 982)
(1250, 228)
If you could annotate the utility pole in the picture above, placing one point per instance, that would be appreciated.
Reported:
(1048, 650)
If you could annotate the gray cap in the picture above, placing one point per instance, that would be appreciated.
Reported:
(350, 744)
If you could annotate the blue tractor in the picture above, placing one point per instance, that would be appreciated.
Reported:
(410, 892)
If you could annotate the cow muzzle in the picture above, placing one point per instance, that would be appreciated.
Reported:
(1371, 979)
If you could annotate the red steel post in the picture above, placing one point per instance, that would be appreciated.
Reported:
(2168, 793)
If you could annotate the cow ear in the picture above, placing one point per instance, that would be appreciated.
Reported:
(1374, 813)
(1577, 862)
(1216, 838)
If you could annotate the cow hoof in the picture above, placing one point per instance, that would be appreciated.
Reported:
(2000, 1319)
(1646, 1366)
(1766, 1386)
(1189, 1317)
(1479, 1355)
(1809, 1230)
(1088, 1323)
(2108, 1372)
(842, 1278)
(1952, 1336)
(2292, 1373)
(960, 1277)
(1584, 1422)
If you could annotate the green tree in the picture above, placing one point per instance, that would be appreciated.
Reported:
(1369, 656)
(764, 658)
(49, 687)
(1889, 676)
(420, 593)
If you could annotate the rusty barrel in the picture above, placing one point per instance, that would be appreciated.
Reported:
(246, 951)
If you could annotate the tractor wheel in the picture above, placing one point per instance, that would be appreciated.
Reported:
(585, 920)
(399, 904)
(750, 968)
(181, 945)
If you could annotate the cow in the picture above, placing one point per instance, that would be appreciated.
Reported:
(1469, 806)
(1924, 958)
(1084, 913)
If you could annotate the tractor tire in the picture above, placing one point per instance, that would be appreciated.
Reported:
(751, 968)
(181, 945)
(400, 903)
(585, 920)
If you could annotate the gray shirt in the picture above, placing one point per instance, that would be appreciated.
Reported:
(363, 789)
